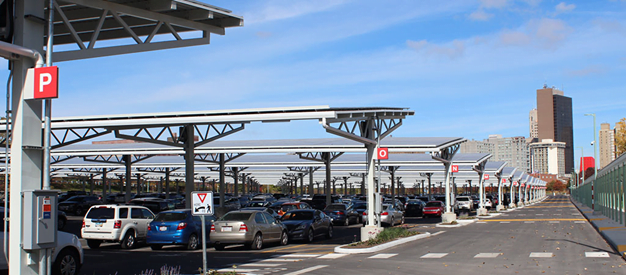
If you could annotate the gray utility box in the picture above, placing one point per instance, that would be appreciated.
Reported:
(40, 219)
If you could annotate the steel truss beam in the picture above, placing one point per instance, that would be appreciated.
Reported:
(58, 159)
(215, 158)
(92, 170)
(64, 137)
(230, 171)
(176, 136)
(85, 22)
(116, 158)
(446, 154)
(356, 129)
(160, 170)
(319, 156)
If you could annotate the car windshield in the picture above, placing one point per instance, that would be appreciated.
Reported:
(336, 207)
(170, 217)
(75, 198)
(101, 213)
(414, 202)
(256, 203)
(433, 204)
(298, 216)
(236, 216)
(288, 207)
(462, 199)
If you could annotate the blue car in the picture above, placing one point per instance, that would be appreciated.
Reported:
(177, 227)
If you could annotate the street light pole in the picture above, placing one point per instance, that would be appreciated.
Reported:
(595, 160)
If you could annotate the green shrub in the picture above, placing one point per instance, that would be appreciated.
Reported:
(389, 234)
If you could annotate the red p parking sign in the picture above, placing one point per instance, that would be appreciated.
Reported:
(42, 83)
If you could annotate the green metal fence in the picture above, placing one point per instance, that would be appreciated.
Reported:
(608, 187)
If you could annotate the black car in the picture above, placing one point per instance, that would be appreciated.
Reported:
(79, 204)
(414, 208)
(69, 194)
(306, 224)
(61, 220)
(338, 212)
(155, 205)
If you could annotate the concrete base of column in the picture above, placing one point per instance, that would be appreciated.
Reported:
(370, 232)
(482, 212)
(448, 217)
(520, 204)
(511, 205)
(499, 208)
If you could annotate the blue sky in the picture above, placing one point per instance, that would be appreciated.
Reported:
(467, 68)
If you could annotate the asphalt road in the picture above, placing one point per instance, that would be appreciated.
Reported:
(549, 238)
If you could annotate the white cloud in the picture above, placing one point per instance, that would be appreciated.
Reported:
(480, 15)
(497, 4)
(589, 70)
(514, 38)
(550, 32)
(280, 10)
(450, 50)
(563, 8)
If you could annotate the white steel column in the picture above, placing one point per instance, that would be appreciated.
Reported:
(449, 216)
(481, 191)
(500, 206)
(511, 194)
(26, 147)
(520, 203)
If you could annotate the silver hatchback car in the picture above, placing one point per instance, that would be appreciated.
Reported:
(391, 215)
(249, 227)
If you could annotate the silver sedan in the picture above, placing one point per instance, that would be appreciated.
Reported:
(249, 227)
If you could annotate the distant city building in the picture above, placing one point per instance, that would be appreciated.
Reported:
(547, 156)
(532, 121)
(607, 145)
(554, 121)
(513, 150)
(545, 177)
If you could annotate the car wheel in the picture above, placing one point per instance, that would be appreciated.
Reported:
(329, 233)
(257, 243)
(310, 235)
(219, 247)
(67, 263)
(347, 222)
(284, 238)
(93, 244)
(156, 246)
(61, 224)
(192, 243)
(129, 240)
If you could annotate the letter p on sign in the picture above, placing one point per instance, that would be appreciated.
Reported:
(382, 153)
(42, 83)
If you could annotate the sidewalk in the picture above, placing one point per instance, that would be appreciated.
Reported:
(613, 232)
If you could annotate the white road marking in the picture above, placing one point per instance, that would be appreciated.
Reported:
(332, 256)
(554, 221)
(302, 271)
(238, 270)
(486, 255)
(481, 222)
(261, 265)
(434, 255)
(557, 214)
(505, 222)
(580, 222)
(529, 222)
(281, 260)
(539, 214)
(540, 255)
(435, 234)
(383, 256)
(596, 254)
(299, 255)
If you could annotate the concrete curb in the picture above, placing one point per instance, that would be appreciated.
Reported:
(612, 232)
(490, 216)
(459, 223)
(340, 249)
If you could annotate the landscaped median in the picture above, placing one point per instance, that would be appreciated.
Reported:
(388, 238)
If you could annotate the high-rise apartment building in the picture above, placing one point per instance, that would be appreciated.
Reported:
(554, 121)
(532, 121)
(513, 150)
(606, 140)
(547, 157)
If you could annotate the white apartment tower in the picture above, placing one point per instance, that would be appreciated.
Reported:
(532, 121)
(607, 144)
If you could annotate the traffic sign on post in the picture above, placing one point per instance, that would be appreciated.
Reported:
(454, 169)
(42, 83)
(382, 153)
(486, 176)
(201, 203)
(503, 180)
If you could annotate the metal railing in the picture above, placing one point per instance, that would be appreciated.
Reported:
(608, 193)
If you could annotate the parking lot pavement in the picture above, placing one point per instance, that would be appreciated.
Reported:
(524, 245)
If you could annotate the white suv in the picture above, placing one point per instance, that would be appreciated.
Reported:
(465, 203)
(125, 224)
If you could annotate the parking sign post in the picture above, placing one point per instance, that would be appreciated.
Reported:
(202, 205)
